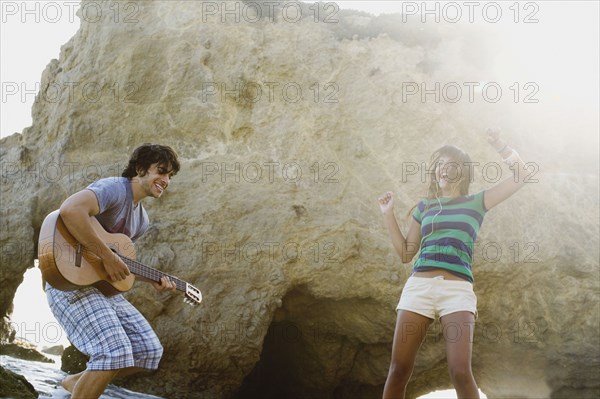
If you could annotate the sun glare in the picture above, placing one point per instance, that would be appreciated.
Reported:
(447, 394)
(32, 319)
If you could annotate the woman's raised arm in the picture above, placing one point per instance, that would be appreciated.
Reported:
(405, 247)
(507, 187)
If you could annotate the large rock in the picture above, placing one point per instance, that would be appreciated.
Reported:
(23, 351)
(73, 361)
(274, 214)
(15, 386)
(56, 350)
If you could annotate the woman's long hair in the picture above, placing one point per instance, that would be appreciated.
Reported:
(460, 160)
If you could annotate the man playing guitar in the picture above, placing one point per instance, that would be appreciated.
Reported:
(118, 339)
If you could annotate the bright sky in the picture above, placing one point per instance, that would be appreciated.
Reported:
(32, 318)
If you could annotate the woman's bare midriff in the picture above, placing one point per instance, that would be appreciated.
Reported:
(440, 272)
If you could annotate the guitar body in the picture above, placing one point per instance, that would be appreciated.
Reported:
(67, 266)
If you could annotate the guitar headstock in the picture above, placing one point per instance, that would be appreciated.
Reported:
(193, 296)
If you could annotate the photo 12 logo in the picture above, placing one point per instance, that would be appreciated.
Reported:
(454, 92)
(67, 11)
(315, 253)
(470, 11)
(491, 172)
(270, 172)
(273, 11)
(72, 92)
(520, 331)
(54, 172)
(37, 333)
(286, 92)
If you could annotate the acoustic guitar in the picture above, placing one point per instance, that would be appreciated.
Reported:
(67, 265)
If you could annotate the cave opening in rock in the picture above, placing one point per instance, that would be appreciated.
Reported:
(31, 318)
(312, 349)
(332, 348)
(276, 372)
(447, 394)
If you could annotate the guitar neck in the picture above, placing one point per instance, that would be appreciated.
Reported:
(139, 269)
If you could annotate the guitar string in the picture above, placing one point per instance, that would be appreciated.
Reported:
(157, 274)
(153, 274)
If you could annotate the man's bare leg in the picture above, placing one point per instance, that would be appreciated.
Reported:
(91, 384)
(69, 382)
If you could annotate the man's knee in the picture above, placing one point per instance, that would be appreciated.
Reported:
(150, 355)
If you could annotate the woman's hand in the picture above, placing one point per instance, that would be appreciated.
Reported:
(493, 135)
(386, 202)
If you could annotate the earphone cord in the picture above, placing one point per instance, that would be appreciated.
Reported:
(434, 216)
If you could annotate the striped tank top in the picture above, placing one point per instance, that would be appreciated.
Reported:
(448, 234)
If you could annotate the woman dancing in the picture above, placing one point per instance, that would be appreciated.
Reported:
(442, 231)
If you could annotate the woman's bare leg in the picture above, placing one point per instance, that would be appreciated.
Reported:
(411, 329)
(458, 331)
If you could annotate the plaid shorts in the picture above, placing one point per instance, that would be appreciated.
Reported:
(110, 330)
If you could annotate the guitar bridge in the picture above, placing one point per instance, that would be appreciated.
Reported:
(78, 253)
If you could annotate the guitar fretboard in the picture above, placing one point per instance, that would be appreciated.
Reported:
(150, 273)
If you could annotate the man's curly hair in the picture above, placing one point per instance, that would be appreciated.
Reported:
(146, 155)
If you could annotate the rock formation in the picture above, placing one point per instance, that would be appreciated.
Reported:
(55, 350)
(288, 131)
(23, 351)
(15, 386)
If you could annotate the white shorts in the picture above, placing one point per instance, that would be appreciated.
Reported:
(431, 296)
